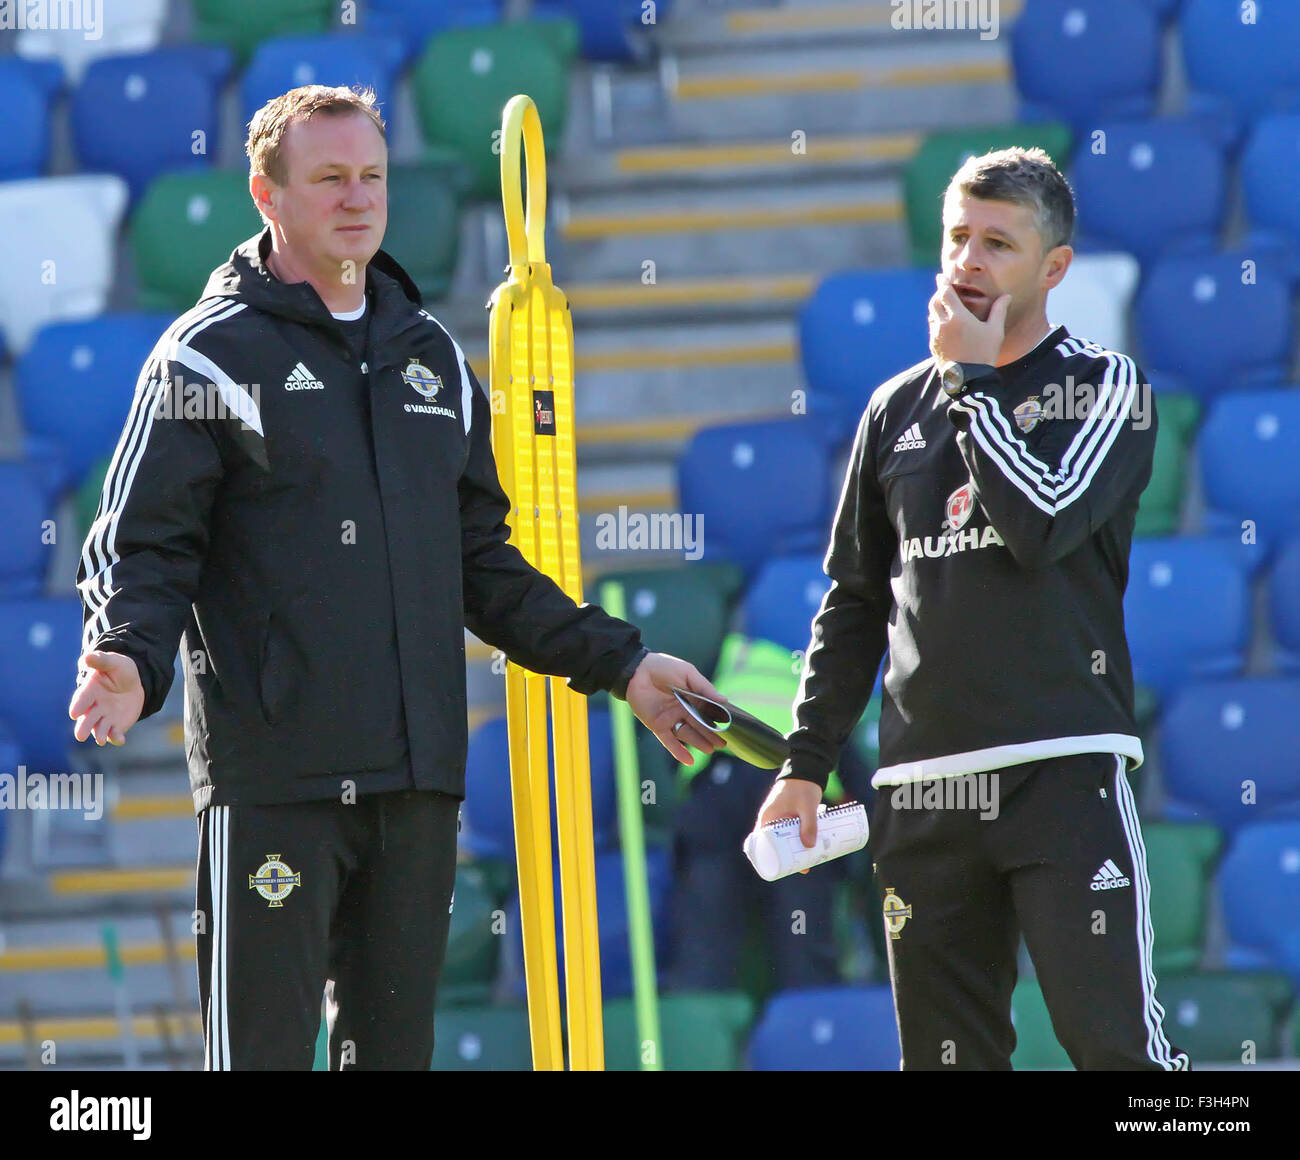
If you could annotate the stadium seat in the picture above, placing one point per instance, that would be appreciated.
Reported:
(131, 26)
(487, 818)
(96, 364)
(827, 1029)
(470, 966)
(138, 115)
(927, 174)
(611, 906)
(1054, 42)
(482, 1039)
(1179, 857)
(1270, 174)
(1158, 180)
(861, 328)
(605, 26)
(1092, 301)
(423, 231)
(242, 25)
(88, 496)
(10, 758)
(464, 78)
(699, 1031)
(288, 62)
(27, 89)
(1284, 606)
(1217, 1015)
(185, 226)
(1196, 317)
(1218, 736)
(417, 20)
(24, 558)
(41, 643)
(1186, 610)
(1165, 9)
(1250, 464)
(1248, 62)
(1259, 888)
(1037, 1048)
(58, 236)
(762, 489)
(1161, 505)
(784, 598)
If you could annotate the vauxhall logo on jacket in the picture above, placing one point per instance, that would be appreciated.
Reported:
(953, 535)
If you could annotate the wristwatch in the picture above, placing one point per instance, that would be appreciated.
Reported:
(957, 376)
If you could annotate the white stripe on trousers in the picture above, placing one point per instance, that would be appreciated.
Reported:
(1159, 1049)
(218, 1024)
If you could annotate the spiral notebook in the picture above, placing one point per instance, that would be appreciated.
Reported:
(746, 737)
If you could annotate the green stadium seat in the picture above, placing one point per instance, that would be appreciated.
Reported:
(700, 1031)
(1160, 507)
(941, 155)
(243, 24)
(1213, 1016)
(470, 968)
(482, 1039)
(1037, 1048)
(464, 78)
(423, 232)
(1179, 861)
(186, 225)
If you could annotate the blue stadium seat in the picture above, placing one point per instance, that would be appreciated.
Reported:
(1117, 46)
(1186, 610)
(1252, 66)
(604, 25)
(1197, 318)
(417, 20)
(488, 817)
(827, 1029)
(611, 907)
(1270, 174)
(862, 327)
(10, 758)
(1165, 9)
(1259, 885)
(26, 503)
(1215, 735)
(1250, 464)
(136, 115)
(286, 62)
(762, 489)
(1159, 180)
(41, 643)
(783, 600)
(1284, 605)
(27, 87)
(96, 364)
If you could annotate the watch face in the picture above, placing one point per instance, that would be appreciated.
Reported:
(953, 380)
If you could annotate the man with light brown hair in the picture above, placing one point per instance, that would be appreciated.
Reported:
(318, 542)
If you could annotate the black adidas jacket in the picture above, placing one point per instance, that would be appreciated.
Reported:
(985, 542)
(317, 535)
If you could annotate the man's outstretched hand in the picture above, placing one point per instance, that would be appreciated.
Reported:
(108, 699)
(650, 695)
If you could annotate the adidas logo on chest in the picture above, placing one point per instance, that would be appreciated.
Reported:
(301, 379)
(911, 439)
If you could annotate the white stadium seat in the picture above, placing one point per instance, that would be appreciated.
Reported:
(1093, 300)
(124, 26)
(58, 236)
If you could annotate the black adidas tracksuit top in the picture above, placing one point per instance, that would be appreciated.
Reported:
(985, 541)
(318, 544)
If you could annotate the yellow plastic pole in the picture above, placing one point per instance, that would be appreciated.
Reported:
(531, 374)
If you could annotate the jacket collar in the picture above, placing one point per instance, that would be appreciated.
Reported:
(395, 299)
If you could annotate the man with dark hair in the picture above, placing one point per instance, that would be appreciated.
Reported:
(983, 535)
(320, 541)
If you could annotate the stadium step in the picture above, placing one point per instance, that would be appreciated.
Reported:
(774, 228)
